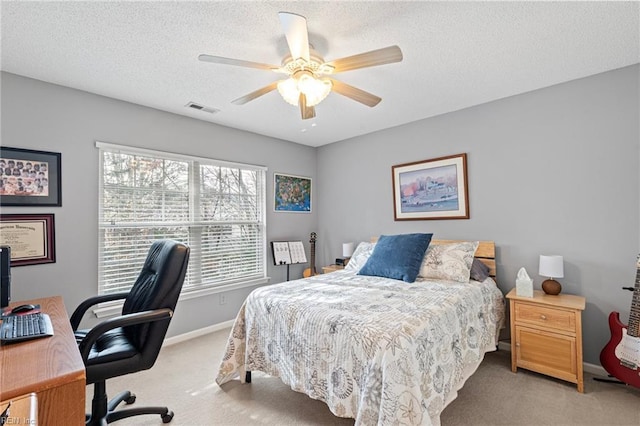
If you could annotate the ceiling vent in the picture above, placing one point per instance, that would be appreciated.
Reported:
(199, 107)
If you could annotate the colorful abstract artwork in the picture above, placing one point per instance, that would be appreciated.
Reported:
(292, 193)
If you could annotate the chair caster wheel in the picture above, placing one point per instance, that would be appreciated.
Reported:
(167, 417)
(130, 400)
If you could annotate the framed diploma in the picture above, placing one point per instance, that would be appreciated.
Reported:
(30, 236)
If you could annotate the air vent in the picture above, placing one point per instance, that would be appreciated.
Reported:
(199, 107)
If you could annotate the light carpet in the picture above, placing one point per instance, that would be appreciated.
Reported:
(183, 379)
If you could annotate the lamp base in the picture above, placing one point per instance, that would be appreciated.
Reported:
(551, 287)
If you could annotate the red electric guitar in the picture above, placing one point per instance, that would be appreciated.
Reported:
(621, 356)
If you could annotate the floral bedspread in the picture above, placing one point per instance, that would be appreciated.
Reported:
(378, 350)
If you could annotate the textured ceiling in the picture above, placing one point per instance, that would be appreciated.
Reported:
(456, 55)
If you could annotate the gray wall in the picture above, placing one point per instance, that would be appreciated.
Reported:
(42, 116)
(554, 171)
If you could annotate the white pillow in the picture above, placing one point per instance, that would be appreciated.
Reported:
(360, 256)
(451, 262)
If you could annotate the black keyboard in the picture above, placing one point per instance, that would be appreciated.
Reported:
(16, 328)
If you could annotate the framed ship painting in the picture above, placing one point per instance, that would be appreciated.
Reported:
(431, 189)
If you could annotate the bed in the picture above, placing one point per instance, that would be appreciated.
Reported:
(379, 350)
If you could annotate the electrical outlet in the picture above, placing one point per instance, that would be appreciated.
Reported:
(223, 298)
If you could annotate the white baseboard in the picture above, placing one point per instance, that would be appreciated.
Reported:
(594, 369)
(197, 333)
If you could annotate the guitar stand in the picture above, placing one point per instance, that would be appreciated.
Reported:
(614, 381)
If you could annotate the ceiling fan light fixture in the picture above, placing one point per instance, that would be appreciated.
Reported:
(315, 89)
(288, 89)
(308, 81)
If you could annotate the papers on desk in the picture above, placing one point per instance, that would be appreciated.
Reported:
(288, 252)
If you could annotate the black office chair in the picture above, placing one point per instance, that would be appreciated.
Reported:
(132, 341)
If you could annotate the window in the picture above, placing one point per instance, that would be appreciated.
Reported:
(216, 207)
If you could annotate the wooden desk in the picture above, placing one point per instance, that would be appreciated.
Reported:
(50, 366)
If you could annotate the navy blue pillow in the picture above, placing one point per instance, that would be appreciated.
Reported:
(397, 256)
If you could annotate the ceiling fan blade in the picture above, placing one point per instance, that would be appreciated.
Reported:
(386, 55)
(307, 112)
(253, 95)
(295, 30)
(237, 62)
(354, 93)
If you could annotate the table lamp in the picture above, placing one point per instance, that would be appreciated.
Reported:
(551, 267)
(347, 252)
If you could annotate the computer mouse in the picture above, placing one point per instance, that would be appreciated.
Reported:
(22, 308)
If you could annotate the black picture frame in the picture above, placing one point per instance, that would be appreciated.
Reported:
(20, 187)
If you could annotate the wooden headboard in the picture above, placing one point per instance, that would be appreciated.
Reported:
(486, 252)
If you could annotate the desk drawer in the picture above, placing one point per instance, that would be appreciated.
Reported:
(547, 318)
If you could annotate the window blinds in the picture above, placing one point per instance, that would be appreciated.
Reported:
(216, 207)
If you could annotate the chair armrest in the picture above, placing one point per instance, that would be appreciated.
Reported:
(82, 308)
(121, 321)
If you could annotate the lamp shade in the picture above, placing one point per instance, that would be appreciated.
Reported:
(315, 89)
(347, 249)
(551, 266)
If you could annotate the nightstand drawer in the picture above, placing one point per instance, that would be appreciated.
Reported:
(546, 317)
(546, 353)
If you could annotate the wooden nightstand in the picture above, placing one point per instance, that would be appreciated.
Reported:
(331, 268)
(546, 335)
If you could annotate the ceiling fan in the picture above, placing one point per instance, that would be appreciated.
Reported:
(308, 84)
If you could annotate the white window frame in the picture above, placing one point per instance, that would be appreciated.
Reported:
(203, 289)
